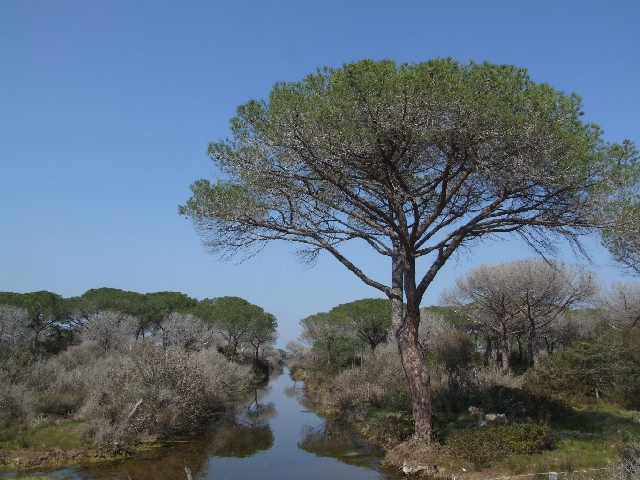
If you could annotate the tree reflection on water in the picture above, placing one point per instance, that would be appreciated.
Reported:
(337, 440)
(251, 433)
(231, 436)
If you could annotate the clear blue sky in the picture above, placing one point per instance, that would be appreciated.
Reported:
(106, 109)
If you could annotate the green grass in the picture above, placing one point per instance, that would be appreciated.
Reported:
(62, 434)
(590, 438)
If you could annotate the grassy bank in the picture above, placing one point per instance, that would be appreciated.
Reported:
(546, 435)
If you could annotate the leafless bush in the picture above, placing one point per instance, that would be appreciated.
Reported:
(189, 332)
(452, 354)
(486, 377)
(370, 383)
(15, 334)
(157, 392)
(64, 395)
(77, 356)
(14, 401)
(621, 305)
(110, 330)
(628, 465)
(630, 459)
(271, 357)
(60, 381)
(431, 324)
(570, 327)
(298, 356)
(122, 394)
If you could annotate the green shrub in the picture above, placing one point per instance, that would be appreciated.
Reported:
(392, 429)
(397, 400)
(493, 442)
(518, 403)
(603, 368)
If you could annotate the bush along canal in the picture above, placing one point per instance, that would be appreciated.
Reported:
(273, 436)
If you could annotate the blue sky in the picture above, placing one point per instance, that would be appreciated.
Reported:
(106, 109)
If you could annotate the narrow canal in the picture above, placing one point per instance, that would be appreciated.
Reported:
(273, 436)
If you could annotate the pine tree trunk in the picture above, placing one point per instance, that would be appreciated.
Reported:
(506, 350)
(534, 355)
(419, 384)
(488, 351)
(406, 332)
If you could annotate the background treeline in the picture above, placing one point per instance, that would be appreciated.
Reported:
(525, 341)
(129, 367)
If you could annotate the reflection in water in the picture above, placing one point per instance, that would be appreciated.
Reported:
(293, 392)
(256, 413)
(337, 440)
(244, 441)
(272, 435)
(250, 433)
(226, 438)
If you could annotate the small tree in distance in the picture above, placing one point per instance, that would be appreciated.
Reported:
(370, 319)
(238, 321)
(622, 304)
(325, 329)
(109, 329)
(522, 296)
(414, 161)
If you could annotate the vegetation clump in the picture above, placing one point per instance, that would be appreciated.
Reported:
(493, 442)
(90, 376)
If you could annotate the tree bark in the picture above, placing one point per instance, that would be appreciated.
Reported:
(419, 382)
(520, 356)
(488, 352)
(406, 332)
(534, 354)
(506, 350)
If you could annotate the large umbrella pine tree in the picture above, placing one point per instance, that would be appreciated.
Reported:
(415, 160)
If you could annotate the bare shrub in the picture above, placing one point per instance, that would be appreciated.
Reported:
(272, 357)
(372, 383)
(486, 377)
(157, 392)
(61, 380)
(64, 395)
(452, 356)
(78, 356)
(572, 326)
(110, 330)
(431, 324)
(629, 463)
(189, 332)
(621, 305)
(14, 401)
(15, 334)
(299, 356)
